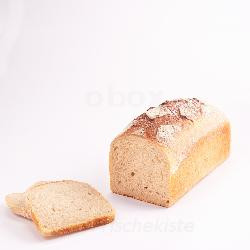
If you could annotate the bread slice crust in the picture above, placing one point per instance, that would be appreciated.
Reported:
(73, 228)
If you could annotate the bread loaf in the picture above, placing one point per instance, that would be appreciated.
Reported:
(165, 151)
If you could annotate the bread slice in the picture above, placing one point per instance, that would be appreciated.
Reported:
(164, 152)
(16, 201)
(64, 207)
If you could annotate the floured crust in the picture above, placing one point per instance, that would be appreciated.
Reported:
(178, 113)
(177, 125)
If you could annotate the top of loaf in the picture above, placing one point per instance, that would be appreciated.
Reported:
(176, 124)
(167, 119)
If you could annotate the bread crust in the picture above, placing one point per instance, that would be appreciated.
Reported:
(207, 154)
(73, 228)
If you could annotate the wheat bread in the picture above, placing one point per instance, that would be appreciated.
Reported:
(165, 151)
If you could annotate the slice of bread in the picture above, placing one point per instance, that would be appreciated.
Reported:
(64, 207)
(16, 201)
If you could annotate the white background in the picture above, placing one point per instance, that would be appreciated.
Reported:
(73, 74)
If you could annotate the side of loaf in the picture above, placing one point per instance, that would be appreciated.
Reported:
(165, 151)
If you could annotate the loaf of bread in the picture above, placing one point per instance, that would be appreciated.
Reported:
(164, 152)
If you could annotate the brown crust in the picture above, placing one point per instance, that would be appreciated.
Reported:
(73, 228)
(171, 114)
(208, 153)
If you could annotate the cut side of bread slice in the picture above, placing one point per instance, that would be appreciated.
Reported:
(64, 207)
(16, 201)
